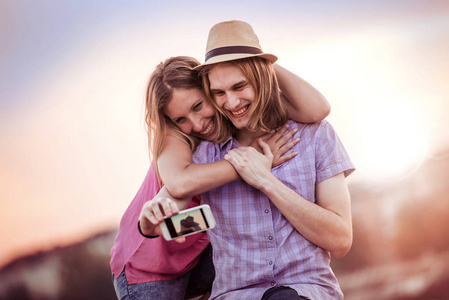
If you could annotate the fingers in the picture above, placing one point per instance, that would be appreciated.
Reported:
(272, 137)
(173, 207)
(280, 133)
(180, 239)
(147, 214)
(280, 160)
(284, 139)
(280, 157)
(229, 158)
(155, 207)
(266, 148)
(242, 153)
(240, 156)
(282, 146)
(155, 210)
(233, 157)
(287, 147)
(277, 139)
(147, 220)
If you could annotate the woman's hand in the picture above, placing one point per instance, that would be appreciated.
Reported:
(153, 213)
(279, 145)
(252, 166)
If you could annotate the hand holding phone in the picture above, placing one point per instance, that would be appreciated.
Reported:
(187, 222)
(153, 213)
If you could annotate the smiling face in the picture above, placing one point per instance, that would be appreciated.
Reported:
(192, 113)
(233, 92)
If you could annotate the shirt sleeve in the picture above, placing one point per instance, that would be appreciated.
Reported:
(331, 155)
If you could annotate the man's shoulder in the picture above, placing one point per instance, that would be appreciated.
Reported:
(204, 145)
(204, 151)
(199, 155)
(314, 127)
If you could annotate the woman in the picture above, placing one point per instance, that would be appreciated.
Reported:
(178, 116)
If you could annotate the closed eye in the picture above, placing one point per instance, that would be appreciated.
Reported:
(217, 93)
(239, 87)
(197, 106)
(179, 120)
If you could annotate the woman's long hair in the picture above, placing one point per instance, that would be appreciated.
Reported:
(174, 73)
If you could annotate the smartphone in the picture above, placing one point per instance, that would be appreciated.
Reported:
(187, 222)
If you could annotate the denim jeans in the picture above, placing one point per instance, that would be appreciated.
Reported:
(196, 282)
(281, 293)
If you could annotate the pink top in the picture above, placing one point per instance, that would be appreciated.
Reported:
(146, 259)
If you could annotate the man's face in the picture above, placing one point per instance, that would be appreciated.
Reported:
(232, 92)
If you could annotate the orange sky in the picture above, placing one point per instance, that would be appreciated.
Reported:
(73, 147)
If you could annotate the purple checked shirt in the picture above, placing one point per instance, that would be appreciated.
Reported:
(255, 246)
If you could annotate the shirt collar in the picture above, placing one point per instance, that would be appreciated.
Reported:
(228, 144)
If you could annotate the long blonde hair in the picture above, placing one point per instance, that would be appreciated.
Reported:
(267, 111)
(174, 73)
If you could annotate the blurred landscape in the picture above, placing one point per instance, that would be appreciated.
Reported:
(400, 249)
(401, 244)
(79, 271)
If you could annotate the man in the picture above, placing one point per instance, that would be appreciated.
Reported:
(274, 233)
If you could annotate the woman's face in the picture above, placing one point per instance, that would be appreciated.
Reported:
(192, 113)
(233, 92)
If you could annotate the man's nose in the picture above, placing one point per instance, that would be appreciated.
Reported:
(232, 101)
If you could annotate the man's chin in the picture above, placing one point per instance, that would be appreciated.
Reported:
(239, 125)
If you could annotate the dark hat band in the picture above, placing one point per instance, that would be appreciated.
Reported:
(232, 50)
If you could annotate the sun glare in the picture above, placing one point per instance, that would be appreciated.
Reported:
(394, 142)
(377, 102)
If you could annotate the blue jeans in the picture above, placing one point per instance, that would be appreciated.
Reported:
(195, 283)
(281, 293)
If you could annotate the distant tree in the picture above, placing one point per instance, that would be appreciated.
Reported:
(85, 275)
(18, 292)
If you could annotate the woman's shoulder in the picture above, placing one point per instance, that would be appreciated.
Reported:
(175, 141)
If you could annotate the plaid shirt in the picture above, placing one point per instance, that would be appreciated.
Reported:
(255, 246)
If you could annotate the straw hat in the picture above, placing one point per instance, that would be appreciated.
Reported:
(233, 40)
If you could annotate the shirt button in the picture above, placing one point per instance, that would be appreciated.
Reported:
(270, 263)
(267, 211)
(270, 238)
(273, 283)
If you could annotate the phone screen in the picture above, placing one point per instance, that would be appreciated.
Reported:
(186, 223)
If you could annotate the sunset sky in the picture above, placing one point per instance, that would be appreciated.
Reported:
(73, 146)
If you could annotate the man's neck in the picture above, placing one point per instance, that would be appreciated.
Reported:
(246, 137)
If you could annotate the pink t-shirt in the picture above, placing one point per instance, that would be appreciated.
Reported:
(146, 259)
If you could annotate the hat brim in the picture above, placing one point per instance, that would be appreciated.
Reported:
(230, 57)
